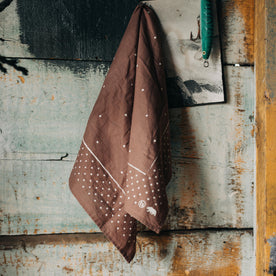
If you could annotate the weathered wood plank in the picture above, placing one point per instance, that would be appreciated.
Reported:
(237, 31)
(92, 30)
(47, 110)
(213, 150)
(43, 116)
(49, 107)
(64, 29)
(200, 253)
(265, 71)
(35, 199)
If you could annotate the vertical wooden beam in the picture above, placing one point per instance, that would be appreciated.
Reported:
(265, 72)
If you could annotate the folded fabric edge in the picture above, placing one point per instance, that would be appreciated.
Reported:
(106, 234)
(154, 228)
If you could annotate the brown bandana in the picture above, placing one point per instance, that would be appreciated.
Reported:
(124, 164)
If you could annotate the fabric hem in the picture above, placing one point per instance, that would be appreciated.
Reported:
(101, 226)
(153, 227)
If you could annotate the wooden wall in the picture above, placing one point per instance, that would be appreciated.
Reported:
(265, 72)
(45, 102)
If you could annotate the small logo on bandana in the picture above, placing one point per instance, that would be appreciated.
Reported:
(142, 203)
(151, 210)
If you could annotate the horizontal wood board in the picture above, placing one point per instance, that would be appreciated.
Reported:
(208, 253)
(65, 29)
(43, 114)
(46, 111)
(91, 30)
(43, 118)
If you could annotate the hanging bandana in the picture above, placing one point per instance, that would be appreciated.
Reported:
(124, 164)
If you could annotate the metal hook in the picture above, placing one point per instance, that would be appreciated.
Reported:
(198, 31)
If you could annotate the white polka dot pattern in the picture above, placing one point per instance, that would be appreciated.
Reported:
(102, 195)
(146, 193)
(123, 165)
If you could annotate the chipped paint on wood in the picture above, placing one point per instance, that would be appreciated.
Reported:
(265, 72)
(213, 153)
(238, 27)
(272, 261)
(216, 150)
(62, 29)
(241, 170)
(197, 253)
(66, 116)
(31, 121)
(36, 199)
(43, 115)
(236, 22)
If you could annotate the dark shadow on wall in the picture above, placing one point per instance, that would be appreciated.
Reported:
(4, 62)
(83, 29)
(13, 62)
(4, 4)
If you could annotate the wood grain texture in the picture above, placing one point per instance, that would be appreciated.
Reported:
(237, 31)
(265, 71)
(65, 29)
(38, 110)
(92, 30)
(43, 114)
(47, 110)
(209, 253)
(35, 199)
(213, 152)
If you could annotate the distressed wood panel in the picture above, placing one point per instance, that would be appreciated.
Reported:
(213, 150)
(64, 29)
(237, 31)
(265, 72)
(195, 254)
(35, 199)
(47, 110)
(92, 30)
(43, 114)
(216, 145)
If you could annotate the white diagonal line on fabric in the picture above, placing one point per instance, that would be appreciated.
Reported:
(136, 169)
(103, 167)
(154, 161)
(165, 129)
